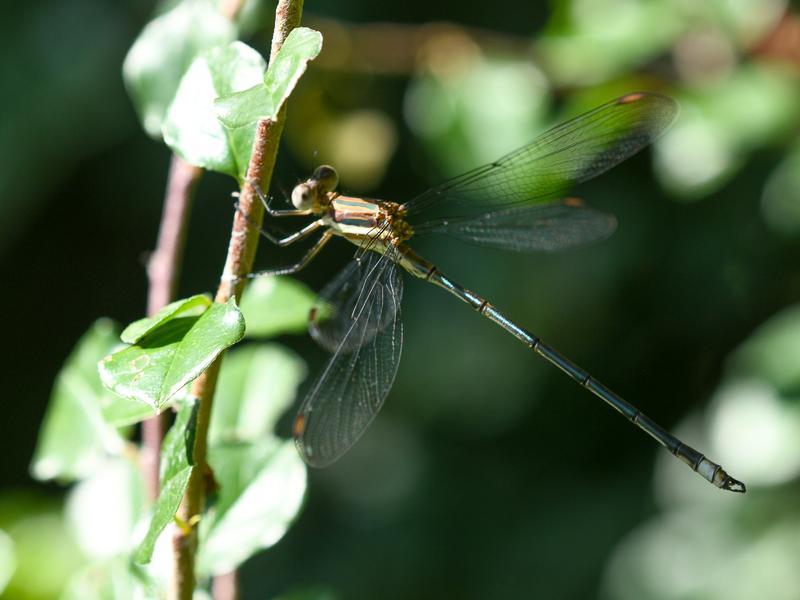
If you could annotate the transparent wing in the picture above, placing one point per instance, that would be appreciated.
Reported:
(351, 390)
(544, 227)
(546, 168)
(339, 305)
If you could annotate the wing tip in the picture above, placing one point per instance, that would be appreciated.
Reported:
(298, 430)
(669, 104)
(304, 449)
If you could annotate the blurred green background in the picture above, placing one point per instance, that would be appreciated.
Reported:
(488, 474)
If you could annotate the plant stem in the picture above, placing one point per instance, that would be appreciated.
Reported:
(230, 8)
(225, 587)
(163, 270)
(241, 253)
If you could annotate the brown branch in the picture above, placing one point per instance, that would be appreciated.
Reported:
(230, 9)
(164, 265)
(225, 587)
(241, 253)
(163, 270)
(403, 49)
(782, 44)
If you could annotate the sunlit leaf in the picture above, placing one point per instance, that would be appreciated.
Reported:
(592, 41)
(75, 438)
(191, 127)
(121, 412)
(45, 554)
(748, 20)
(163, 51)
(772, 352)
(193, 306)
(8, 560)
(275, 305)
(165, 360)
(261, 478)
(256, 386)
(708, 554)
(264, 101)
(780, 202)
(104, 508)
(452, 114)
(261, 490)
(720, 124)
(754, 428)
(175, 469)
(116, 579)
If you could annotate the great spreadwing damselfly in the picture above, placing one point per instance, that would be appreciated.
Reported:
(514, 203)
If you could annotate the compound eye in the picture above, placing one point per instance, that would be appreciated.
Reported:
(326, 178)
(301, 197)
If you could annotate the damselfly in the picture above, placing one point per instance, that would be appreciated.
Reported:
(511, 204)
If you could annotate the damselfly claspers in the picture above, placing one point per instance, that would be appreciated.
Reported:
(513, 204)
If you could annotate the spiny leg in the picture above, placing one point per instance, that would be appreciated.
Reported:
(281, 242)
(294, 237)
(292, 212)
(307, 258)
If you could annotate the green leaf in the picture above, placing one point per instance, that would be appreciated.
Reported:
(169, 357)
(587, 48)
(276, 305)
(264, 101)
(309, 593)
(256, 386)
(75, 437)
(104, 508)
(191, 127)
(8, 560)
(123, 412)
(261, 491)
(116, 579)
(188, 307)
(772, 353)
(45, 554)
(175, 469)
(261, 478)
(244, 108)
(452, 113)
(721, 124)
(234, 73)
(163, 51)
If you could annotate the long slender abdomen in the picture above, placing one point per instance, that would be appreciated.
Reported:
(709, 470)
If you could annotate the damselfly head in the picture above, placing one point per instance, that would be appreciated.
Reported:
(302, 196)
(313, 192)
(326, 179)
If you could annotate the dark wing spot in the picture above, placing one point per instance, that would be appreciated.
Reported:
(299, 425)
(627, 99)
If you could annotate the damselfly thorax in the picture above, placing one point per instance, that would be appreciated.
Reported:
(371, 224)
(362, 220)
